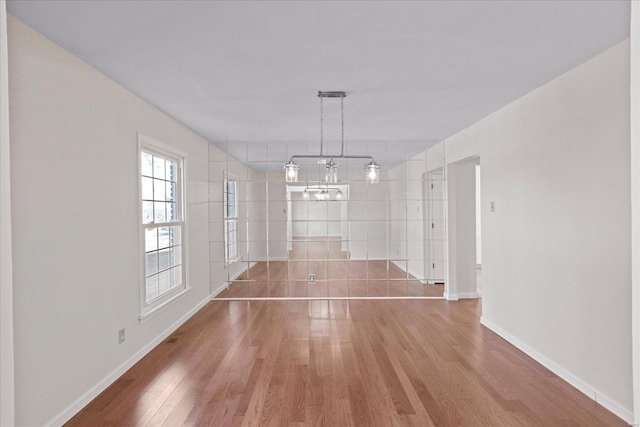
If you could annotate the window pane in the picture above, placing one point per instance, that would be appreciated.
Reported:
(170, 192)
(152, 287)
(164, 237)
(172, 212)
(147, 188)
(158, 167)
(164, 281)
(151, 239)
(146, 163)
(176, 238)
(176, 276)
(164, 259)
(159, 212)
(176, 255)
(233, 250)
(147, 212)
(159, 188)
(151, 263)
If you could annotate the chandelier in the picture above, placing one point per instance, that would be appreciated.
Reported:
(291, 168)
(322, 193)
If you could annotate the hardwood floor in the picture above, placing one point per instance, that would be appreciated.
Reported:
(335, 276)
(340, 363)
(332, 279)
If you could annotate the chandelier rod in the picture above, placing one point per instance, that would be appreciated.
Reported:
(326, 156)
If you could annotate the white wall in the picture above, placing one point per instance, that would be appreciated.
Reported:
(6, 270)
(556, 251)
(407, 215)
(462, 229)
(74, 182)
(367, 212)
(315, 218)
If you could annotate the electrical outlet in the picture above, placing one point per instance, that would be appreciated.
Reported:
(121, 336)
(312, 278)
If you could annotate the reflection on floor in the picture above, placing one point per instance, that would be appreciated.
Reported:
(334, 275)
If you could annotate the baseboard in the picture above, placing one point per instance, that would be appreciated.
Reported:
(583, 387)
(413, 274)
(468, 295)
(216, 292)
(450, 297)
(85, 399)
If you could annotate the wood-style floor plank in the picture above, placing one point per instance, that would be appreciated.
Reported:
(339, 363)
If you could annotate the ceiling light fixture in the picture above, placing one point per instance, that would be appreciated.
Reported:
(322, 193)
(373, 172)
(331, 168)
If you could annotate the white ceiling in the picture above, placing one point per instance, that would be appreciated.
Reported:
(249, 71)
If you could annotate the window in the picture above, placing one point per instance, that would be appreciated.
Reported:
(230, 215)
(161, 193)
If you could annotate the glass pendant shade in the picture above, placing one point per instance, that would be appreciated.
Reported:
(322, 195)
(291, 171)
(372, 172)
(331, 172)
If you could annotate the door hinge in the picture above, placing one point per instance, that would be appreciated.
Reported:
(433, 225)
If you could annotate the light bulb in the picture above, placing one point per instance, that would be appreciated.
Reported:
(291, 171)
(373, 172)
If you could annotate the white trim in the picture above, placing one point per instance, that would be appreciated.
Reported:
(469, 295)
(242, 270)
(583, 387)
(143, 317)
(450, 297)
(233, 260)
(412, 273)
(86, 398)
(217, 291)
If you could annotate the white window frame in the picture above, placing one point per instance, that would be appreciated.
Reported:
(155, 147)
(230, 258)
